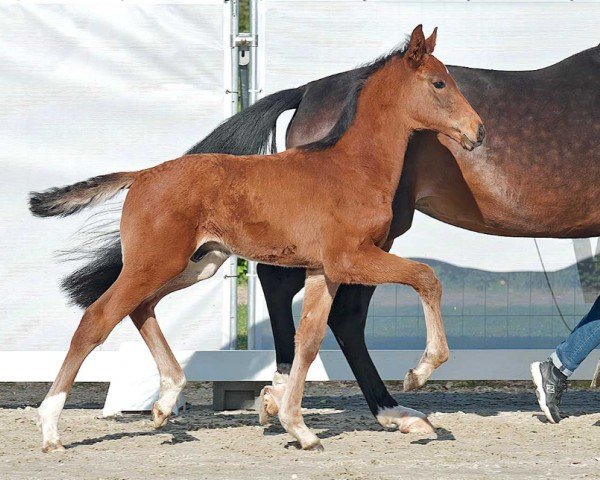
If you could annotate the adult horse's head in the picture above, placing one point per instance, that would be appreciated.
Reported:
(435, 101)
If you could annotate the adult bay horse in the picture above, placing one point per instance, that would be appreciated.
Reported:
(536, 175)
(326, 207)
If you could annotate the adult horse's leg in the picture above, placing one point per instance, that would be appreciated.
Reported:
(318, 298)
(280, 285)
(374, 266)
(347, 320)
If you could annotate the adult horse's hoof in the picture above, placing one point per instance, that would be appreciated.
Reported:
(406, 420)
(416, 425)
(53, 447)
(159, 418)
(413, 381)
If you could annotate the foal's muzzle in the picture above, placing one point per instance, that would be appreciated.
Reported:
(470, 144)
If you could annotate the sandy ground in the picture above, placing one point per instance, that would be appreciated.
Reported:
(482, 432)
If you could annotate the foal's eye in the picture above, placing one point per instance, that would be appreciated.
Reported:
(439, 84)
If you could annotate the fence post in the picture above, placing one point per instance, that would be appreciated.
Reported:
(253, 96)
(234, 92)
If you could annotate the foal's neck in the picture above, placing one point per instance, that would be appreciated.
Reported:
(376, 141)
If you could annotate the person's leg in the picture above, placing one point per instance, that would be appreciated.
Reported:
(550, 377)
(580, 343)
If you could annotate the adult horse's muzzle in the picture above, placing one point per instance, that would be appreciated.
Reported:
(468, 143)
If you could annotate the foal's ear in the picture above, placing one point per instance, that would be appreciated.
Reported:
(430, 42)
(416, 47)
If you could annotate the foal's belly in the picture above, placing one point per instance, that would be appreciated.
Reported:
(265, 243)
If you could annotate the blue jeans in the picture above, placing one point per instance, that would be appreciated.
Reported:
(583, 339)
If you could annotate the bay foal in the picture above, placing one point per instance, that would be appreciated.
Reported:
(325, 207)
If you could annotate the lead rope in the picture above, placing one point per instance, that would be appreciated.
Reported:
(537, 247)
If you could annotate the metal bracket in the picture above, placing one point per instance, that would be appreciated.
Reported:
(244, 40)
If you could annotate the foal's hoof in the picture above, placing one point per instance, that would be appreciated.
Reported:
(263, 415)
(315, 447)
(159, 417)
(53, 447)
(413, 381)
(267, 406)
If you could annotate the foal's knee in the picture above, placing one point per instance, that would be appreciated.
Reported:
(428, 284)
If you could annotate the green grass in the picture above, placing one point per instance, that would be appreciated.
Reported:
(242, 327)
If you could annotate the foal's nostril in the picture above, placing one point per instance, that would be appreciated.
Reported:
(480, 133)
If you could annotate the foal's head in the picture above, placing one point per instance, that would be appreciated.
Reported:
(433, 100)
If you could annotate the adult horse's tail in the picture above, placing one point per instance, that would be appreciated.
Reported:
(252, 131)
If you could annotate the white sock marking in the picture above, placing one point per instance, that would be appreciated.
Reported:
(169, 392)
(49, 413)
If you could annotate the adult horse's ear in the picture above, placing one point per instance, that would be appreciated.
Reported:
(416, 47)
(430, 42)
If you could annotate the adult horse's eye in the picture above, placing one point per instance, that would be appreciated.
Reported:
(439, 84)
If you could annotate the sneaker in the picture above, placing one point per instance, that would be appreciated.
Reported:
(550, 384)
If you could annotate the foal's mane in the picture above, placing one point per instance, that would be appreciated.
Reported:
(361, 75)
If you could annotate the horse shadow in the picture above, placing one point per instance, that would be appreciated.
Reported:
(339, 414)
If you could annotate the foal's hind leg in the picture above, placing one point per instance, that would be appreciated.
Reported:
(373, 266)
(172, 377)
(318, 298)
(140, 278)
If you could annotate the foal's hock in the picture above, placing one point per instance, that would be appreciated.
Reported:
(183, 218)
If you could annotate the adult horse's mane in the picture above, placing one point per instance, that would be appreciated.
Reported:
(360, 76)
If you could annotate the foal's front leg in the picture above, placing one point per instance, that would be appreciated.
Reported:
(318, 298)
(279, 284)
(373, 266)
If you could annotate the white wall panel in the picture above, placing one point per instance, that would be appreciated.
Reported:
(89, 88)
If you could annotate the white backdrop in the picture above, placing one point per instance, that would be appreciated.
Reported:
(307, 40)
(87, 89)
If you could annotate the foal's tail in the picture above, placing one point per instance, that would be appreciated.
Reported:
(63, 201)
